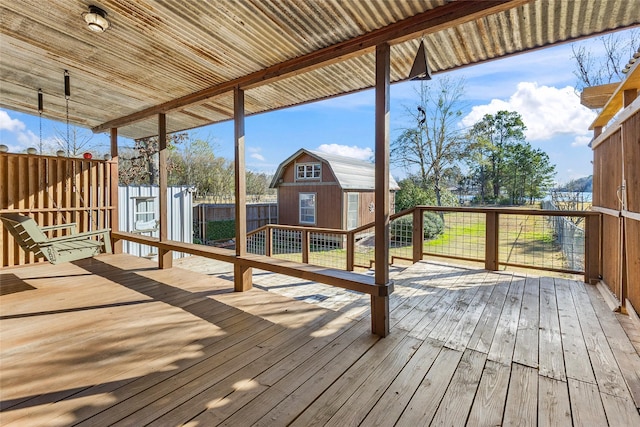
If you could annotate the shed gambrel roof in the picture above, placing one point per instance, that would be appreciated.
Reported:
(350, 173)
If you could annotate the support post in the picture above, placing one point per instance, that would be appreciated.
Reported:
(165, 257)
(305, 246)
(491, 260)
(351, 251)
(380, 305)
(592, 267)
(242, 276)
(113, 190)
(418, 233)
(268, 245)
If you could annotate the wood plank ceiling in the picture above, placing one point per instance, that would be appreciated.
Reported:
(182, 57)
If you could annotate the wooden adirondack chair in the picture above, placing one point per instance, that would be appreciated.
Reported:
(56, 250)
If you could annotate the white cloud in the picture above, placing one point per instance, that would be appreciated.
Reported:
(15, 134)
(7, 123)
(28, 138)
(546, 111)
(581, 140)
(347, 151)
(255, 153)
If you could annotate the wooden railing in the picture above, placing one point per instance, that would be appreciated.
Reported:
(496, 237)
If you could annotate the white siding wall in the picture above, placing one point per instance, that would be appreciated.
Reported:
(179, 216)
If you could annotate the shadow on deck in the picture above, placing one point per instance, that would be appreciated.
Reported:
(113, 340)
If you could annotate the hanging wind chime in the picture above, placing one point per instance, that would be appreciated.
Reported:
(67, 95)
(40, 114)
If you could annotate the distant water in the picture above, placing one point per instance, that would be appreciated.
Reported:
(572, 195)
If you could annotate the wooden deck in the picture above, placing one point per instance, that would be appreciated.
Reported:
(114, 341)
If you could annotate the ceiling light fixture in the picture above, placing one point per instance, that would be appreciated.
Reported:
(96, 19)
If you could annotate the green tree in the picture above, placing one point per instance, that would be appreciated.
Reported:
(528, 173)
(257, 185)
(491, 137)
(434, 145)
(411, 195)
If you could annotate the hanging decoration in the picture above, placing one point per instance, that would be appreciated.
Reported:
(420, 69)
(67, 95)
(40, 114)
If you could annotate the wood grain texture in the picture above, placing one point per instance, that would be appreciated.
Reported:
(551, 353)
(522, 397)
(553, 402)
(114, 340)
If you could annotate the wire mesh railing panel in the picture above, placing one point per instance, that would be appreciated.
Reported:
(455, 234)
(364, 248)
(401, 237)
(549, 242)
(328, 250)
(256, 243)
(570, 236)
(287, 244)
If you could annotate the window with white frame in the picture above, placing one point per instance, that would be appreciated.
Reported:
(308, 170)
(307, 208)
(352, 210)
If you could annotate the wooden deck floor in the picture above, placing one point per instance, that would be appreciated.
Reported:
(114, 341)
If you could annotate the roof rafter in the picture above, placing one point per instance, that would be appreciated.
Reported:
(454, 13)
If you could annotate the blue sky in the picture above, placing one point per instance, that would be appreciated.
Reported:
(539, 85)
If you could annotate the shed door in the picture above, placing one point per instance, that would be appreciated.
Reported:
(352, 210)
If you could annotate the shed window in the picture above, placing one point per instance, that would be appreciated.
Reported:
(308, 208)
(308, 170)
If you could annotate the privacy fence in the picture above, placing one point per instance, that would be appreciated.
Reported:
(616, 195)
(54, 190)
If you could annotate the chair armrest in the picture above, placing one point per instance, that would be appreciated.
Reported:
(71, 225)
(78, 236)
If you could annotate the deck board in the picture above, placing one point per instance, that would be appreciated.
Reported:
(551, 356)
(115, 341)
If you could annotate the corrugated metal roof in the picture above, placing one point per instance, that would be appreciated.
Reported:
(351, 174)
(157, 52)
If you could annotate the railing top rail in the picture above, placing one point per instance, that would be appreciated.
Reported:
(499, 210)
(300, 228)
(508, 211)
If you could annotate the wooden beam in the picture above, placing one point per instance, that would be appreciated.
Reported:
(597, 96)
(615, 103)
(380, 305)
(431, 21)
(628, 96)
(330, 276)
(241, 273)
(165, 258)
(113, 189)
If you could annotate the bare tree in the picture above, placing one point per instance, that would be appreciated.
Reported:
(76, 140)
(594, 69)
(434, 144)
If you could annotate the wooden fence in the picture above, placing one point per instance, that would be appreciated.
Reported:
(616, 194)
(258, 215)
(53, 190)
